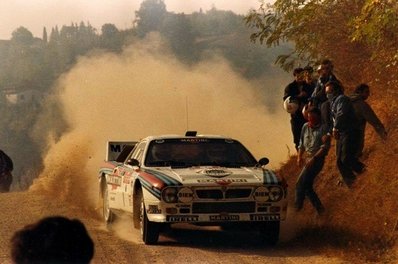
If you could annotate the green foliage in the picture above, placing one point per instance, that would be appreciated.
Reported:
(111, 39)
(177, 29)
(347, 31)
(22, 36)
(150, 16)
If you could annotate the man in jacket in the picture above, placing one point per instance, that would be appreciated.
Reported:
(345, 131)
(300, 92)
(365, 114)
(318, 98)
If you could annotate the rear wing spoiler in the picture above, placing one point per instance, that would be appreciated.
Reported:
(118, 150)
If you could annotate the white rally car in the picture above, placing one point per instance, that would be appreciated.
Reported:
(206, 180)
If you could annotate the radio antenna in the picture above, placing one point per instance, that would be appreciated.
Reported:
(187, 112)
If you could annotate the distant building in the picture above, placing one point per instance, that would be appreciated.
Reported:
(20, 97)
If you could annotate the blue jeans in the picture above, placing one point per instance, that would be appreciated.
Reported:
(304, 185)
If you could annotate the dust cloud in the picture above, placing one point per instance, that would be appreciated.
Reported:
(144, 91)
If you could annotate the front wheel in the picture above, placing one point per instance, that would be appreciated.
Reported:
(149, 230)
(269, 232)
(107, 214)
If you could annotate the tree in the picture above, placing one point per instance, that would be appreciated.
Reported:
(329, 28)
(44, 35)
(110, 37)
(177, 29)
(22, 36)
(150, 16)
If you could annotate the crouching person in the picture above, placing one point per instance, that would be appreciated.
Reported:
(313, 148)
(53, 239)
(6, 167)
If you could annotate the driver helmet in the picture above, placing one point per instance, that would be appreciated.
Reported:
(290, 105)
(160, 152)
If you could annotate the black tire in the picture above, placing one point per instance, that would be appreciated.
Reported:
(149, 230)
(137, 209)
(269, 232)
(107, 214)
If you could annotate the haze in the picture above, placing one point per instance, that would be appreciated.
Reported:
(36, 14)
(145, 91)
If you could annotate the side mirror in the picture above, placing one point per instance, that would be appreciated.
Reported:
(263, 161)
(133, 162)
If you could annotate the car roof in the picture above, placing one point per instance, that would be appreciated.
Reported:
(150, 138)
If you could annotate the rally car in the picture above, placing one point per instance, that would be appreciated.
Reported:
(197, 179)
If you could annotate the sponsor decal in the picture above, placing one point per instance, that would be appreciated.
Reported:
(222, 181)
(182, 218)
(185, 195)
(216, 172)
(224, 217)
(114, 180)
(264, 217)
(194, 140)
(261, 194)
(127, 178)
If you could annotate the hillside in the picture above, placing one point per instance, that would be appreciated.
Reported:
(364, 218)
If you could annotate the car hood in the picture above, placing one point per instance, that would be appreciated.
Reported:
(216, 175)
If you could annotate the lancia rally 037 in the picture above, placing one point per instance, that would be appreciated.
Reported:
(196, 179)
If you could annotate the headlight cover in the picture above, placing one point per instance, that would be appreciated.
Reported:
(275, 193)
(169, 195)
(268, 194)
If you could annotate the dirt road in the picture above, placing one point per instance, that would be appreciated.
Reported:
(181, 244)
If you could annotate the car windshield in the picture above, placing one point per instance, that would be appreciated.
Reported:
(186, 152)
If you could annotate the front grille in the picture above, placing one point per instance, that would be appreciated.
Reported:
(209, 194)
(237, 193)
(218, 194)
(222, 207)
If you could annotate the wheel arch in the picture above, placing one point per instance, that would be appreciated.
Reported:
(137, 194)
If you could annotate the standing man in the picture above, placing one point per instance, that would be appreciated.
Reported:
(314, 146)
(318, 98)
(345, 131)
(365, 114)
(6, 167)
(298, 91)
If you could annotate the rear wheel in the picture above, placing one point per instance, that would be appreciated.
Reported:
(106, 211)
(149, 230)
(270, 233)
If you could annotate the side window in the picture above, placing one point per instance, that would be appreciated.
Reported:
(138, 152)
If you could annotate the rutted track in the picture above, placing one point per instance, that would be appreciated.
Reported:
(120, 243)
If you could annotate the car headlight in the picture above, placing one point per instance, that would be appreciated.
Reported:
(169, 195)
(261, 194)
(275, 193)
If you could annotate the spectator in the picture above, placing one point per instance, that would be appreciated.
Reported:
(365, 114)
(314, 146)
(311, 83)
(6, 167)
(318, 98)
(298, 91)
(52, 240)
(345, 131)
